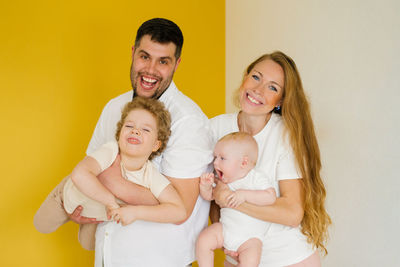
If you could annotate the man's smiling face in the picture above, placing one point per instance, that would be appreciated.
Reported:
(153, 67)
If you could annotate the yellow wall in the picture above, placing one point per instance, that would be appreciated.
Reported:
(60, 62)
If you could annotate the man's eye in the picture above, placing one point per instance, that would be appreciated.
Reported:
(163, 62)
(144, 57)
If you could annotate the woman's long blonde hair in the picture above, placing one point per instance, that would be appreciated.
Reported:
(296, 115)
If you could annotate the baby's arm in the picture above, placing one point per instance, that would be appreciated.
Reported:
(84, 178)
(256, 197)
(170, 210)
(206, 182)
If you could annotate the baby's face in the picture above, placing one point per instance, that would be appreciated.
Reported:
(227, 162)
(138, 137)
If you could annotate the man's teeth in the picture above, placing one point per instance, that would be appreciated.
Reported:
(253, 100)
(149, 80)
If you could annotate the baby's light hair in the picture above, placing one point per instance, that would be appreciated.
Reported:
(160, 114)
(245, 143)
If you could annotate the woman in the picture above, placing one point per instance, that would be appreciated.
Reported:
(275, 111)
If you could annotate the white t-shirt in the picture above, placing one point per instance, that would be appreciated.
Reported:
(188, 154)
(239, 227)
(147, 176)
(283, 245)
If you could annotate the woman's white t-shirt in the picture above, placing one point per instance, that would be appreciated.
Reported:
(282, 245)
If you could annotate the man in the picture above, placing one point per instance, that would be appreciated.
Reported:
(156, 56)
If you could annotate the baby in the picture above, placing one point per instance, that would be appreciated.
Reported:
(235, 156)
(142, 133)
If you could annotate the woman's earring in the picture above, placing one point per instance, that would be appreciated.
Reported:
(277, 108)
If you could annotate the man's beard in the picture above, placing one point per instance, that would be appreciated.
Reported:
(162, 86)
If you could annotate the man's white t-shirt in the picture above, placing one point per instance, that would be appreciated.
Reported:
(188, 154)
(282, 245)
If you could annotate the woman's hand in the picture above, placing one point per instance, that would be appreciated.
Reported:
(236, 198)
(233, 254)
(221, 193)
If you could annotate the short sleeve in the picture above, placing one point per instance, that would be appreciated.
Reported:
(106, 154)
(287, 167)
(107, 124)
(156, 181)
(262, 180)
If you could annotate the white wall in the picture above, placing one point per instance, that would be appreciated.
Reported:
(347, 52)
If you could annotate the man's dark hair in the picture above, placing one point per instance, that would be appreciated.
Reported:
(162, 31)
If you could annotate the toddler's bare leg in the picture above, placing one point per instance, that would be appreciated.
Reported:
(51, 213)
(209, 239)
(250, 253)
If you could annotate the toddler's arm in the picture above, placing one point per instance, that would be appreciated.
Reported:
(256, 197)
(84, 178)
(123, 189)
(170, 210)
(206, 188)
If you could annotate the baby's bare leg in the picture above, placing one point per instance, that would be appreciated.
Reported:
(250, 253)
(209, 239)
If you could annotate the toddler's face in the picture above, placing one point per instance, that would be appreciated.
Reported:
(227, 161)
(139, 134)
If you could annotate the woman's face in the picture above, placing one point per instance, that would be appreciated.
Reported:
(262, 89)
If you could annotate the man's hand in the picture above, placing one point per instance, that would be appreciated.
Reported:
(77, 218)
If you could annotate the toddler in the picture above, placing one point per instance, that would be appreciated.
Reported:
(235, 156)
(142, 133)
